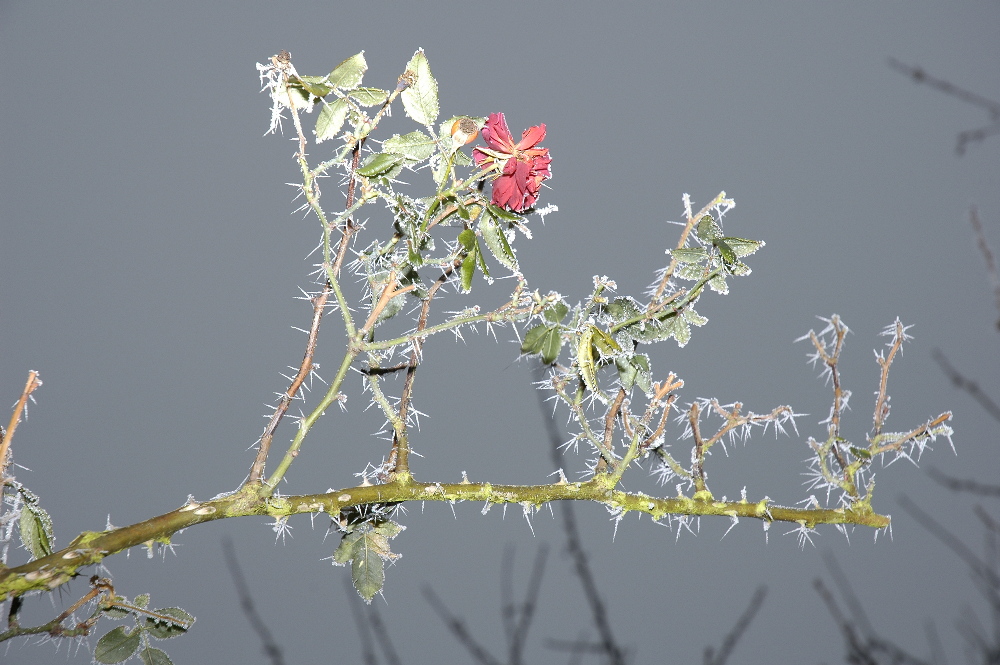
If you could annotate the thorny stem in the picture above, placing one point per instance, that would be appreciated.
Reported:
(90, 547)
(698, 456)
(657, 311)
(306, 424)
(319, 305)
(15, 418)
(400, 454)
(680, 245)
(885, 362)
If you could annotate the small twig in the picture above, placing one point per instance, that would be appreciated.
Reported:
(268, 644)
(15, 418)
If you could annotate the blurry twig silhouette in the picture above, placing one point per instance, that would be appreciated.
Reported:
(268, 644)
(968, 136)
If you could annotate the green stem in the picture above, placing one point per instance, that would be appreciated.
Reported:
(306, 424)
(90, 547)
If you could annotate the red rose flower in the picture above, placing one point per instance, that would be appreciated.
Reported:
(523, 165)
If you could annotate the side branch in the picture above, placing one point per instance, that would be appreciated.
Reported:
(91, 547)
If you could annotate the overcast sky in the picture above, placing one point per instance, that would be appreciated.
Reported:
(150, 261)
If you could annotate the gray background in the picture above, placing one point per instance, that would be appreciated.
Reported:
(149, 264)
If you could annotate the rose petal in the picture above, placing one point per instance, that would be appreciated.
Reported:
(531, 137)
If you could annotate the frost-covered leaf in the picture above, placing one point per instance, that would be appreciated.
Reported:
(420, 98)
(345, 551)
(367, 571)
(557, 312)
(35, 526)
(689, 254)
(380, 164)
(388, 529)
(739, 269)
(349, 73)
(634, 371)
(369, 96)
(496, 242)
(142, 600)
(718, 284)
(679, 329)
(743, 247)
(415, 146)
(708, 229)
(154, 656)
(314, 85)
(693, 317)
(605, 343)
(169, 622)
(330, 120)
(727, 253)
(551, 345)
(117, 646)
(533, 339)
(690, 271)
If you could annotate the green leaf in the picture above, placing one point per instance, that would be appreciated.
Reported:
(468, 270)
(420, 98)
(388, 529)
(314, 85)
(860, 452)
(718, 284)
(367, 571)
(739, 269)
(35, 527)
(691, 271)
(468, 239)
(496, 242)
(689, 254)
(533, 340)
(693, 317)
(743, 247)
(557, 312)
(708, 229)
(605, 343)
(500, 213)
(551, 345)
(369, 96)
(415, 146)
(154, 656)
(679, 330)
(380, 164)
(349, 73)
(142, 600)
(627, 372)
(117, 646)
(174, 622)
(728, 255)
(345, 551)
(481, 260)
(331, 119)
